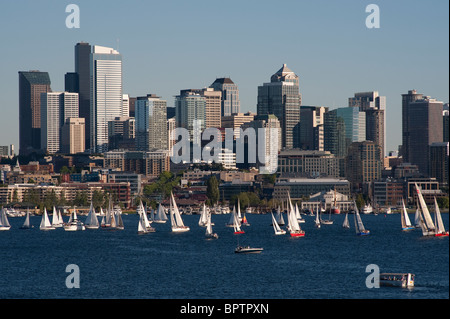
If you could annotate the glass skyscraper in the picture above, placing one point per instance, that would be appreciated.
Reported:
(282, 98)
(106, 94)
(151, 123)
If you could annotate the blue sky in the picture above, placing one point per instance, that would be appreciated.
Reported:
(172, 45)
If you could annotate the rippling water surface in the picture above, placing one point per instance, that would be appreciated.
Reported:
(329, 262)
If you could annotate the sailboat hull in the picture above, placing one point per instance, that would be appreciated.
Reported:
(445, 234)
(4, 228)
(365, 233)
(239, 232)
(180, 229)
(297, 234)
(408, 228)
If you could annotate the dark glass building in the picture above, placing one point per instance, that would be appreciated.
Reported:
(31, 85)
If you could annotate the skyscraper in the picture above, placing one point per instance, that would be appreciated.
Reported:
(151, 123)
(424, 128)
(106, 94)
(190, 107)
(282, 98)
(363, 163)
(72, 136)
(230, 95)
(374, 107)
(355, 124)
(312, 127)
(31, 85)
(406, 99)
(56, 108)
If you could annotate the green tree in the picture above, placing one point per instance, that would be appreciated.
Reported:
(360, 201)
(212, 190)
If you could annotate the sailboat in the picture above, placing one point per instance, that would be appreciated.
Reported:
(203, 217)
(325, 221)
(160, 216)
(45, 222)
(406, 223)
(440, 231)
(417, 216)
(209, 232)
(119, 221)
(276, 227)
(317, 221)
(293, 225)
(56, 219)
(74, 224)
(233, 219)
(26, 223)
(237, 224)
(91, 221)
(4, 223)
(359, 226)
(297, 214)
(144, 225)
(426, 222)
(367, 209)
(346, 224)
(175, 217)
(279, 217)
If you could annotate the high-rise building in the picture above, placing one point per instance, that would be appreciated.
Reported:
(282, 98)
(72, 136)
(151, 123)
(31, 85)
(230, 95)
(406, 99)
(191, 107)
(56, 108)
(213, 104)
(374, 106)
(83, 71)
(363, 163)
(438, 162)
(424, 128)
(355, 124)
(106, 94)
(334, 134)
(312, 127)
(445, 124)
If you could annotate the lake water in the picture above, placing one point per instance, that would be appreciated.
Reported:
(328, 263)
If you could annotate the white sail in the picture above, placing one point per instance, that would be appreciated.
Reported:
(236, 223)
(141, 228)
(55, 218)
(175, 217)
(279, 218)
(26, 223)
(276, 227)
(45, 222)
(91, 219)
(160, 215)
(231, 222)
(346, 224)
(404, 217)
(119, 221)
(4, 223)
(317, 221)
(239, 210)
(297, 212)
(177, 213)
(203, 217)
(423, 206)
(417, 216)
(438, 217)
(359, 226)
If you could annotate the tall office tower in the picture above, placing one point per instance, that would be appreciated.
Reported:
(125, 105)
(71, 82)
(230, 95)
(375, 128)
(334, 134)
(282, 98)
(312, 127)
(424, 128)
(72, 136)
(106, 94)
(446, 132)
(56, 108)
(355, 124)
(190, 107)
(406, 99)
(213, 100)
(151, 123)
(363, 163)
(171, 125)
(31, 85)
(374, 106)
(438, 162)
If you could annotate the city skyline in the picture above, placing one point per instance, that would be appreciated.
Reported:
(329, 47)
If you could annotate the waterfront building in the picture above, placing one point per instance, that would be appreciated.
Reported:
(151, 123)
